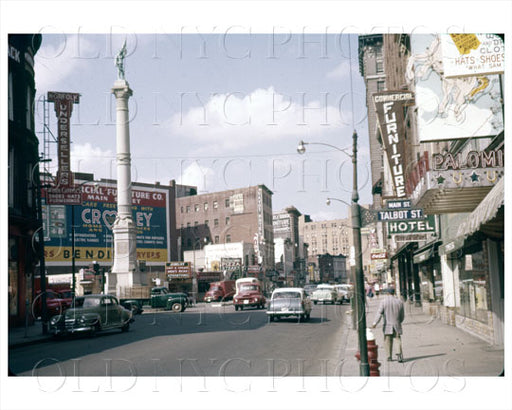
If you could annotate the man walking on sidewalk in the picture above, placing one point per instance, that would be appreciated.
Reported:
(392, 309)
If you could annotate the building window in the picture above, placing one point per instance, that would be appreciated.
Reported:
(381, 85)
(188, 209)
(227, 202)
(206, 222)
(196, 223)
(215, 222)
(227, 220)
(228, 238)
(216, 239)
(196, 207)
(206, 206)
(215, 204)
(188, 224)
(379, 66)
(182, 209)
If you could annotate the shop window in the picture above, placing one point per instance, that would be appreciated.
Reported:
(474, 283)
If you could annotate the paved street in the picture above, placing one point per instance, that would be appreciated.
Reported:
(206, 340)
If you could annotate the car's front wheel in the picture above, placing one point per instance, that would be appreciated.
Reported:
(126, 327)
(94, 330)
(177, 307)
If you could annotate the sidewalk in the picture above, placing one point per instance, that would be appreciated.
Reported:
(21, 336)
(430, 348)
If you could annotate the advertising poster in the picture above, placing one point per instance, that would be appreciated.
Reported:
(472, 54)
(93, 221)
(451, 107)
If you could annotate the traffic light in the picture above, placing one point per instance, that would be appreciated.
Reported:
(96, 268)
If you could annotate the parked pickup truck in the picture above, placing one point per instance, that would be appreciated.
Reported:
(160, 298)
(220, 291)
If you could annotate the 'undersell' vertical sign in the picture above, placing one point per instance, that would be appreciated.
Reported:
(63, 103)
(389, 106)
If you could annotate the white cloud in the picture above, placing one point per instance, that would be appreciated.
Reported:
(94, 160)
(231, 121)
(197, 175)
(60, 57)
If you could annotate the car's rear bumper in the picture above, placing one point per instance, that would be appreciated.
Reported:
(285, 313)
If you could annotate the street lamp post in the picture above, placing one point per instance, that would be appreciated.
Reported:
(364, 369)
(352, 271)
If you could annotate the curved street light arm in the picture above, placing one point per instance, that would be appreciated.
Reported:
(301, 149)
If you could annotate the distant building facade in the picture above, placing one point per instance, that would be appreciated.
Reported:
(237, 215)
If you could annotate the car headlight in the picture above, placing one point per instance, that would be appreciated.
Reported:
(55, 319)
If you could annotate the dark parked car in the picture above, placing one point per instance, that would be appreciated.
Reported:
(92, 313)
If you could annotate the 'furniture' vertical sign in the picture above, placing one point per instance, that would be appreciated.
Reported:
(389, 106)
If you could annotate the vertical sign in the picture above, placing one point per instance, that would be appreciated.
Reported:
(63, 104)
(389, 106)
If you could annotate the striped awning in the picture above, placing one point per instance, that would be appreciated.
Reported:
(485, 211)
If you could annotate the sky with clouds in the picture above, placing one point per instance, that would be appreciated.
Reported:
(219, 110)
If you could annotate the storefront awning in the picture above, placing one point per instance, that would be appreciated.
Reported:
(426, 252)
(485, 211)
(441, 192)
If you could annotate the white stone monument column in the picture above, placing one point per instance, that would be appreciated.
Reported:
(125, 273)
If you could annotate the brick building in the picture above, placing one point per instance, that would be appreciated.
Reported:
(237, 215)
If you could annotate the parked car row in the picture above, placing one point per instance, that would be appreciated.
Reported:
(93, 313)
(325, 293)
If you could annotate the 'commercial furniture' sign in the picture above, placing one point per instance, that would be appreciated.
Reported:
(389, 106)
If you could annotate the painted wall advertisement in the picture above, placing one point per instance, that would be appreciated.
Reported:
(93, 221)
(452, 103)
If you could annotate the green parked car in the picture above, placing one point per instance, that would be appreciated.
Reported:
(90, 314)
(177, 302)
(161, 298)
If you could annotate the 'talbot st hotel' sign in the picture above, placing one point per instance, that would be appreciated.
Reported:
(389, 106)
